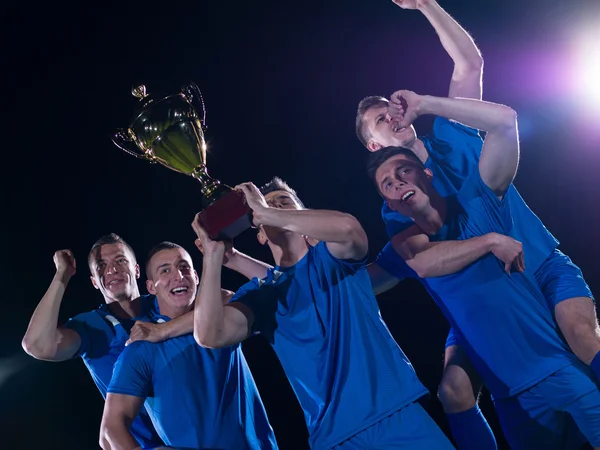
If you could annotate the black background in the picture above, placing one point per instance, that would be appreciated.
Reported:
(281, 81)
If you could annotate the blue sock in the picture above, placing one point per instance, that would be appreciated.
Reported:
(595, 365)
(471, 431)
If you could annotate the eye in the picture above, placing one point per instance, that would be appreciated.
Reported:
(122, 261)
(165, 270)
(379, 119)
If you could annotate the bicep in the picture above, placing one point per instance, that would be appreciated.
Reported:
(69, 342)
(121, 408)
(238, 320)
(410, 243)
(226, 296)
(499, 160)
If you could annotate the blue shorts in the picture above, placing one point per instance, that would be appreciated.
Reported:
(561, 412)
(410, 428)
(560, 279)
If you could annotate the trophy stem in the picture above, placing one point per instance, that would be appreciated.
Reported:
(211, 188)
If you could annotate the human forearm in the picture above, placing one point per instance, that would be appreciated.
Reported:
(490, 117)
(208, 309)
(247, 266)
(468, 63)
(333, 227)
(443, 258)
(42, 338)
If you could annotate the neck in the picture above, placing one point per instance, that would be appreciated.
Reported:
(419, 149)
(126, 309)
(173, 312)
(432, 218)
(289, 249)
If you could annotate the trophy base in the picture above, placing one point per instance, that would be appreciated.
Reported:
(227, 217)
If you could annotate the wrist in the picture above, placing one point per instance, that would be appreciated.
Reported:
(424, 5)
(491, 239)
(62, 276)
(426, 105)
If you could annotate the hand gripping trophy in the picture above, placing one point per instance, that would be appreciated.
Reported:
(170, 130)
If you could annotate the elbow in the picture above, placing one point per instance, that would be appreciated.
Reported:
(508, 120)
(206, 340)
(33, 349)
(422, 270)
(354, 232)
(104, 440)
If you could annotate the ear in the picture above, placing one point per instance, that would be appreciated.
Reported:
(373, 146)
(429, 174)
(262, 236)
(150, 287)
(137, 271)
(196, 278)
(93, 280)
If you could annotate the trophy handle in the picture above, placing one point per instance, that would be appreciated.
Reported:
(122, 140)
(192, 94)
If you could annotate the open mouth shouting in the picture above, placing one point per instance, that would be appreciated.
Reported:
(180, 290)
(407, 196)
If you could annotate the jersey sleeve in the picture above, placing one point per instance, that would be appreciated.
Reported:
(458, 146)
(487, 212)
(259, 296)
(82, 326)
(132, 374)
(390, 261)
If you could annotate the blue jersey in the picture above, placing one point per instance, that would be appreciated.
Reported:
(196, 397)
(504, 321)
(454, 152)
(323, 322)
(103, 338)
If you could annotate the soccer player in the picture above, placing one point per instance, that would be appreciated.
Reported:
(317, 310)
(542, 392)
(197, 397)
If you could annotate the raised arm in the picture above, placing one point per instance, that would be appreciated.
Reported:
(468, 63)
(343, 234)
(436, 259)
(500, 153)
(216, 325)
(119, 412)
(43, 338)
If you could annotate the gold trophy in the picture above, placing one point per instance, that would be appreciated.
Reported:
(170, 130)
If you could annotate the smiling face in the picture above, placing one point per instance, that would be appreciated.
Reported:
(404, 184)
(383, 131)
(173, 280)
(114, 272)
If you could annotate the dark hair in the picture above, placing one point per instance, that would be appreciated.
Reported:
(376, 159)
(108, 239)
(364, 105)
(164, 245)
(277, 184)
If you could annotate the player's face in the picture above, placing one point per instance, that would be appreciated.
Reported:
(114, 272)
(280, 200)
(174, 279)
(385, 131)
(403, 183)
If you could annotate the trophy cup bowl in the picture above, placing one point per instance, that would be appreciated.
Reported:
(169, 130)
